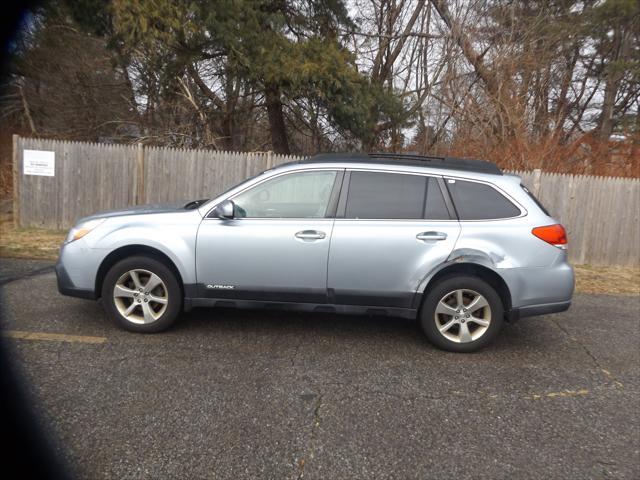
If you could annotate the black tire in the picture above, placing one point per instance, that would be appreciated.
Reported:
(449, 285)
(171, 286)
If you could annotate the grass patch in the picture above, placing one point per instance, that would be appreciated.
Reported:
(45, 244)
(29, 242)
(615, 280)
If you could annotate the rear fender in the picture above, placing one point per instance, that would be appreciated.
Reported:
(461, 257)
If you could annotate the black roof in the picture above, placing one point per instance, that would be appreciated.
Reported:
(449, 163)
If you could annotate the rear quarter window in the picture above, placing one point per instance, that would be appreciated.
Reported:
(535, 200)
(479, 201)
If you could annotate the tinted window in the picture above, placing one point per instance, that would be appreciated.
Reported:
(478, 201)
(296, 195)
(374, 195)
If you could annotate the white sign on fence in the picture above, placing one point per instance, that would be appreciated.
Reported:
(39, 162)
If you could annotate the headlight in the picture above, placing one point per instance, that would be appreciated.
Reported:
(82, 229)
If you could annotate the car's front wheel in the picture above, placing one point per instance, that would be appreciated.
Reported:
(142, 294)
(461, 314)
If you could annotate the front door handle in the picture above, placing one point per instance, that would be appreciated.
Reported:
(431, 236)
(310, 235)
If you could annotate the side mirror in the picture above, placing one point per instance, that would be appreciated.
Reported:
(224, 209)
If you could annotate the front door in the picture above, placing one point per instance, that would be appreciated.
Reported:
(391, 230)
(276, 246)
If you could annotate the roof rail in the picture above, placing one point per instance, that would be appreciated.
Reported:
(481, 166)
(414, 156)
(448, 163)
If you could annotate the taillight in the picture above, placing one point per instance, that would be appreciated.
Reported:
(553, 234)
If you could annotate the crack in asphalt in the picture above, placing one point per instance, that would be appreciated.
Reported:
(317, 418)
(294, 355)
(575, 339)
(314, 435)
(587, 351)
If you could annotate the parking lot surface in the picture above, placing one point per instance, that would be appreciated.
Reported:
(254, 394)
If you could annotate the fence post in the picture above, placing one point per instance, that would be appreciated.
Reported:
(138, 194)
(16, 183)
(269, 160)
(537, 175)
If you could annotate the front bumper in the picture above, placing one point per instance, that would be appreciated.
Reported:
(67, 287)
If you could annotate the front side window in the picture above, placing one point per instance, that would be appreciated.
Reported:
(479, 201)
(295, 195)
(394, 196)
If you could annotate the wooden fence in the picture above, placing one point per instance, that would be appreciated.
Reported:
(601, 213)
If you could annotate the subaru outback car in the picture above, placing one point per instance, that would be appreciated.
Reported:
(455, 243)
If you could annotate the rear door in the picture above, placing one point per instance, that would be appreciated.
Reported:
(391, 229)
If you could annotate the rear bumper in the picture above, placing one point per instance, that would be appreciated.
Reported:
(66, 286)
(539, 290)
(534, 310)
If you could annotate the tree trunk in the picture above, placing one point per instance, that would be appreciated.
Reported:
(491, 81)
(620, 51)
(541, 103)
(228, 131)
(279, 141)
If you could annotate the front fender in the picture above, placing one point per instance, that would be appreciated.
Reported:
(178, 244)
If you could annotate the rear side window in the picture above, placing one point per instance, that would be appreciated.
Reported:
(375, 195)
(478, 201)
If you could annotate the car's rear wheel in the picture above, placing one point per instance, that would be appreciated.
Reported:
(461, 314)
(142, 294)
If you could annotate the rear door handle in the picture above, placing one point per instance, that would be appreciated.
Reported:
(431, 236)
(310, 235)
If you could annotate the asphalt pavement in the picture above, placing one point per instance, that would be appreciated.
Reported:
(252, 394)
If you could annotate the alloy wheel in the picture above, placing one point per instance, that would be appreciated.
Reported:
(463, 316)
(140, 296)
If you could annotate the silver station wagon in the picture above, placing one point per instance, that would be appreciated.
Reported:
(455, 243)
